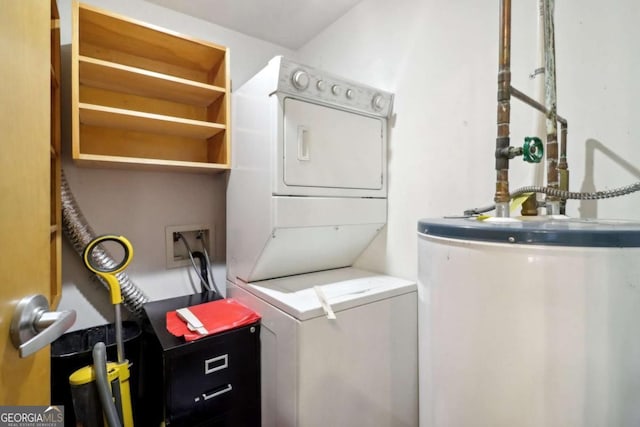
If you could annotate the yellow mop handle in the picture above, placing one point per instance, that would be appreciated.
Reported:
(109, 274)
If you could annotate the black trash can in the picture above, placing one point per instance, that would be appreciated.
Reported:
(73, 351)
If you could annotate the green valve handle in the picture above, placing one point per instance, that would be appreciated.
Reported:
(532, 150)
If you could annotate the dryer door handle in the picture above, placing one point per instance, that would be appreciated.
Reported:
(303, 143)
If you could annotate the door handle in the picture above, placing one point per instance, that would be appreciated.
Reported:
(303, 143)
(34, 327)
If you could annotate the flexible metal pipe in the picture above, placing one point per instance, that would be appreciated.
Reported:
(577, 195)
(574, 195)
(80, 234)
(501, 197)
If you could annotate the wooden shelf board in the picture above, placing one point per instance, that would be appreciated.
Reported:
(115, 31)
(149, 164)
(142, 94)
(97, 115)
(121, 78)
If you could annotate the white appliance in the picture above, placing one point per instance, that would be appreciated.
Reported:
(529, 324)
(307, 193)
(308, 186)
(356, 370)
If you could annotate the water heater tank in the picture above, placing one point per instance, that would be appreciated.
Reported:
(529, 324)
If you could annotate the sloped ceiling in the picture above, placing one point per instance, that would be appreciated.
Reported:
(288, 23)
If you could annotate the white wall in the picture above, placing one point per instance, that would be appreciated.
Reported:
(140, 204)
(441, 61)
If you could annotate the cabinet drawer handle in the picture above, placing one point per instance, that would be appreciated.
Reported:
(216, 364)
(206, 396)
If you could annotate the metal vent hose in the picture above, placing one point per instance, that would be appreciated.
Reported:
(80, 233)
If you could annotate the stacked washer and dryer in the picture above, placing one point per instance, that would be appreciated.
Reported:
(306, 195)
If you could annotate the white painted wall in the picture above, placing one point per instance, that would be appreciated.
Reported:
(140, 204)
(441, 61)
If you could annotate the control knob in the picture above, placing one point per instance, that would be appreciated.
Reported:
(349, 94)
(300, 79)
(378, 102)
(321, 85)
(337, 90)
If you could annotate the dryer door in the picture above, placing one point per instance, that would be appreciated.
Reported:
(330, 148)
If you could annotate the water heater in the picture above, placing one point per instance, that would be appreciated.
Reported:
(529, 324)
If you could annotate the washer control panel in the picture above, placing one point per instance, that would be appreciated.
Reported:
(309, 83)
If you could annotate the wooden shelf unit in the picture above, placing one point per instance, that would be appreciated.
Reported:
(56, 162)
(143, 96)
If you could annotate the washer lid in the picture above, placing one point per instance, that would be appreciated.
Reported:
(538, 231)
(343, 288)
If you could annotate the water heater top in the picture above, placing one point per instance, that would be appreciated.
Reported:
(538, 231)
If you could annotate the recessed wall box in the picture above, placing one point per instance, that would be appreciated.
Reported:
(195, 235)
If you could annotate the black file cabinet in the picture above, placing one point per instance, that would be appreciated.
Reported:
(213, 381)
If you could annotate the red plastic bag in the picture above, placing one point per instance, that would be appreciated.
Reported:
(216, 316)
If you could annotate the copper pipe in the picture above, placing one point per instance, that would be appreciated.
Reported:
(553, 202)
(563, 167)
(530, 206)
(563, 147)
(535, 104)
(502, 197)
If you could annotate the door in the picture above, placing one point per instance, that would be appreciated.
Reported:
(330, 148)
(25, 69)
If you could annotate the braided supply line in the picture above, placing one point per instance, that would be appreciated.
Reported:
(563, 194)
